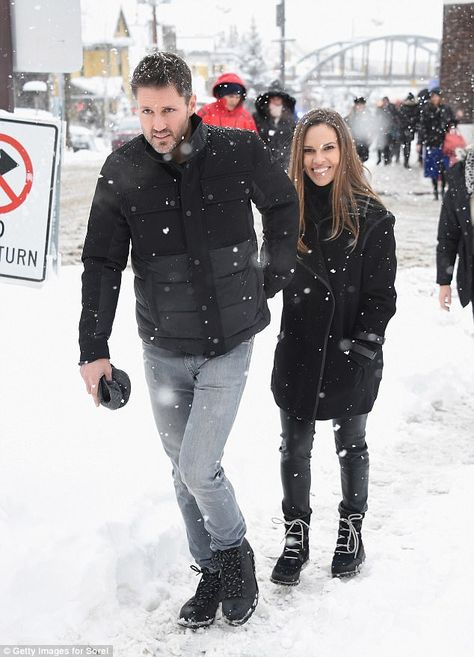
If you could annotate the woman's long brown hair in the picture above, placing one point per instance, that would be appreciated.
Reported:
(349, 181)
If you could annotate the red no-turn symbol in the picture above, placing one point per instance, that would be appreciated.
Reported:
(8, 162)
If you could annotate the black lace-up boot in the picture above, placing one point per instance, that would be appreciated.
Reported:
(295, 553)
(239, 584)
(349, 554)
(200, 610)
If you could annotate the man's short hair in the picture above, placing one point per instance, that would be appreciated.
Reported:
(162, 69)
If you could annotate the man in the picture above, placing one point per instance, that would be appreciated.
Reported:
(409, 112)
(434, 124)
(228, 109)
(388, 127)
(275, 121)
(361, 124)
(180, 193)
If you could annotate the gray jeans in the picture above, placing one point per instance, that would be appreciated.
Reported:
(195, 401)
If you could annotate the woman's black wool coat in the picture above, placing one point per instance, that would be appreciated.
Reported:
(328, 361)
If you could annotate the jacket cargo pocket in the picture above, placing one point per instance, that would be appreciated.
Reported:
(155, 220)
(228, 215)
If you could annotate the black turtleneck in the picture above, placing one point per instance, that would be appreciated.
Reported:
(317, 200)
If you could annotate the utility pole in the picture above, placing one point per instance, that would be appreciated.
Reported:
(154, 24)
(6, 58)
(280, 21)
(154, 27)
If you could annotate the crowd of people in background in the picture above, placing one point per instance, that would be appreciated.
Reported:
(390, 128)
(393, 127)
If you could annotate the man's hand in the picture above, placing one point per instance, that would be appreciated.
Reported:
(418, 148)
(92, 373)
(445, 296)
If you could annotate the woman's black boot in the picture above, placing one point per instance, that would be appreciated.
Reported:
(295, 553)
(349, 554)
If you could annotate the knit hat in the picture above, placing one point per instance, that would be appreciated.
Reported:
(114, 394)
(227, 88)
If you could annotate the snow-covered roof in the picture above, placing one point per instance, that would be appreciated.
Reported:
(101, 87)
(99, 22)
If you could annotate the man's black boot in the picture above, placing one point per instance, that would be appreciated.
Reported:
(239, 584)
(349, 554)
(200, 610)
(295, 553)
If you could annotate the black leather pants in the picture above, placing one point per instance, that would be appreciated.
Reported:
(351, 448)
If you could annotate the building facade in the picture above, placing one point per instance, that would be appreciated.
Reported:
(457, 60)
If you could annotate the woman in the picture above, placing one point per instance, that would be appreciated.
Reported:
(456, 234)
(328, 362)
(274, 118)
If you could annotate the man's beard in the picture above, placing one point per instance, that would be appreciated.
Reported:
(163, 147)
(160, 146)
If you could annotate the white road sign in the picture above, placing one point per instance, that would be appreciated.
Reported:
(46, 36)
(28, 157)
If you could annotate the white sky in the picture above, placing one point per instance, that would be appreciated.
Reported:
(312, 23)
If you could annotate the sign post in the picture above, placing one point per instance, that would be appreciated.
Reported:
(29, 152)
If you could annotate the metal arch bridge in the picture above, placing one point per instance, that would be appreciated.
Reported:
(399, 59)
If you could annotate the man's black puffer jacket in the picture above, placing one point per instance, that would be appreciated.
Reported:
(200, 287)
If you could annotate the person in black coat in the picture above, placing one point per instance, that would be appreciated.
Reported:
(423, 98)
(328, 361)
(436, 118)
(388, 130)
(408, 113)
(456, 234)
(180, 194)
(275, 121)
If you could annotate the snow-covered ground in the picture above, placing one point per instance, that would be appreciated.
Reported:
(93, 547)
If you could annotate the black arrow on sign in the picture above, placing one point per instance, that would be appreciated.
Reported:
(7, 163)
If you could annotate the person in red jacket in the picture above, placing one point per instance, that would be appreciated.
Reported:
(228, 110)
(453, 140)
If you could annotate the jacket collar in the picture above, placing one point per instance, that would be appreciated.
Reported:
(197, 142)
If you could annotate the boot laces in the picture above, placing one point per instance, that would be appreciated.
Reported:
(208, 586)
(294, 537)
(348, 534)
(231, 571)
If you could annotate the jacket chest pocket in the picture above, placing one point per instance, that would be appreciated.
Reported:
(228, 217)
(155, 220)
